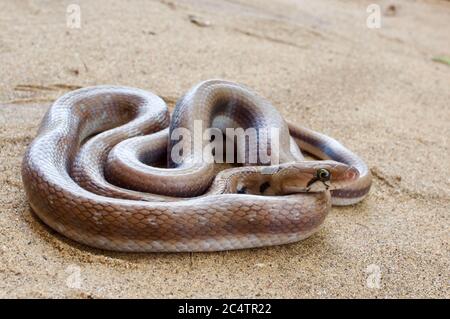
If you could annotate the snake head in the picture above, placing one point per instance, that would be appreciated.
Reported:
(314, 176)
(298, 177)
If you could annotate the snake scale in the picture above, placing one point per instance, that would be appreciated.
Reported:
(100, 172)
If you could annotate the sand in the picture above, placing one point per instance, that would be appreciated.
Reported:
(376, 90)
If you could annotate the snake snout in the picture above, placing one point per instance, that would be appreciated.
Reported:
(346, 176)
(352, 173)
(343, 176)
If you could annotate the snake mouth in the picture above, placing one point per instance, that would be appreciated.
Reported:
(290, 190)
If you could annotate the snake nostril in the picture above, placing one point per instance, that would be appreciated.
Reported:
(352, 174)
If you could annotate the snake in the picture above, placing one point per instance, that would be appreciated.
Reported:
(102, 171)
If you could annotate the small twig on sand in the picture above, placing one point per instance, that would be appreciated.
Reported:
(52, 87)
(198, 21)
(442, 59)
(30, 100)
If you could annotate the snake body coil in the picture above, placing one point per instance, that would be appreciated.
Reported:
(87, 173)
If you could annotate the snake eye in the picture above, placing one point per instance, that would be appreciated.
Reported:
(323, 174)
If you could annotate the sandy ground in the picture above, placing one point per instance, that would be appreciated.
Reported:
(376, 90)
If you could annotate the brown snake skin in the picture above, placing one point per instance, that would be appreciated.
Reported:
(87, 185)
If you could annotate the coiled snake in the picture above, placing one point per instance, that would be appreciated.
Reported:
(93, 172)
